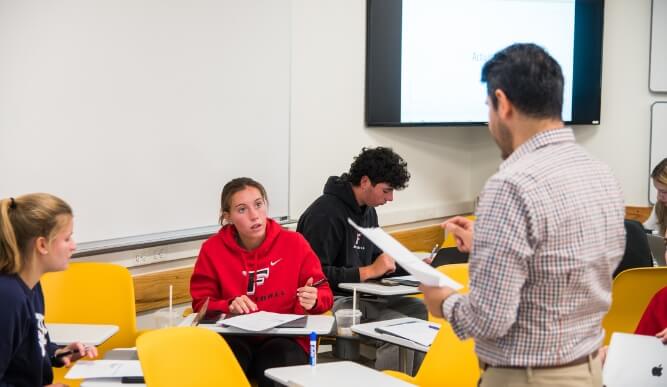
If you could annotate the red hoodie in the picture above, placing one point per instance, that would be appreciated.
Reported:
(280, 265)
(654, 319)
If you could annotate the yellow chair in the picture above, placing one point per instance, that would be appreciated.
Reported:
(459, 273)
(449, 362)
(630, 294)
(456, 271)
(92, 293)
(188, 356)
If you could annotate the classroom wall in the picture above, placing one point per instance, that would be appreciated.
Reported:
(327, 120)
(622, 138)
(449, 165)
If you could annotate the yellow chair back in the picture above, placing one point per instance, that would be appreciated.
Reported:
(449, 362)
(458, 272)
(630, 294)
(92, 293)
(188, 356)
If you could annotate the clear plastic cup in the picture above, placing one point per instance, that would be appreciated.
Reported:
(163, 319)
(345, 318)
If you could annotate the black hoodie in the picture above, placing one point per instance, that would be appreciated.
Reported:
(341, 248)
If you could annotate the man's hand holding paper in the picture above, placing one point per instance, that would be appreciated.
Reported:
(423, 272)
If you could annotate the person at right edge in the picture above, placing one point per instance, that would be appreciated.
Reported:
(549, 234)
(658, 220)
(346, 255)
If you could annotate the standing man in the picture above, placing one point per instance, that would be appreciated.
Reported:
(346, 255)
(548, 236)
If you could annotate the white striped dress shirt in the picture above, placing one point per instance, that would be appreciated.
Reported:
(549, 233)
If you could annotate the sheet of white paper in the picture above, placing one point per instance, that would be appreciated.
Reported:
(421, 332)
(423, 272)
(88, 369)
(259, 321)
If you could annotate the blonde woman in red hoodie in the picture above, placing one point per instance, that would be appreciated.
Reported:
(254, 264)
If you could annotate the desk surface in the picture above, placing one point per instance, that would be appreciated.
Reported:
(343, 373)
(87, 334)
(114, 354)
(368, 329)
(320, 324)
(379, 289)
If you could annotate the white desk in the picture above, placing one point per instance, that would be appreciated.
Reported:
(368, 330)
(379, 289)
(114, 354)
(319, 324)
(87, 334)
(343, 373)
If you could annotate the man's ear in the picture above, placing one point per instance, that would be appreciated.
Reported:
(365, 182)
(505, 107)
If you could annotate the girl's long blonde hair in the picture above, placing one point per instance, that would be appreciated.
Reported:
(22, 220)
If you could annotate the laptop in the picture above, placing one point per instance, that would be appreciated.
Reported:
(657, 245)
(635, 360)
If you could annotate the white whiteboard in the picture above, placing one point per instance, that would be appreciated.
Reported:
(658, 141)
(136, 112)
(658, 65)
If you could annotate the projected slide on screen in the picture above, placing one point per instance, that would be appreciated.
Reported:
(445, 43)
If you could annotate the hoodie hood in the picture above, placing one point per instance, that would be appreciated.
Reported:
(341, 188)
(229, 236)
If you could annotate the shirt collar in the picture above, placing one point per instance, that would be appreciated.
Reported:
(540, 140)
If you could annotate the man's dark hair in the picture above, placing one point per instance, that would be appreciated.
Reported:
(530, 78)
(381, 165)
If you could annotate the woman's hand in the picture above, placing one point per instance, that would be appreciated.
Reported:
(73, 352)
(307, 295)
(662, 335)
(242, 305)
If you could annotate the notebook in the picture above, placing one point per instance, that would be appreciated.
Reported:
(420, 332)
(635, 360)
(657, 245)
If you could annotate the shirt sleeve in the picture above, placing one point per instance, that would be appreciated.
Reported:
(498, 270)
(326, 237)
(204, 283)
(13, 329)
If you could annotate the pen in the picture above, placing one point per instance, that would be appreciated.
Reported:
(318, 283)
(434, 251)
(66, 353)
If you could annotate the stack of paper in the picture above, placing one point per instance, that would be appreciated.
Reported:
(260, 321)
(404, 257)
(420, 332)
(89, 369)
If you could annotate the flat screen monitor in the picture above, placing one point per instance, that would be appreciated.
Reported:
(424, 57)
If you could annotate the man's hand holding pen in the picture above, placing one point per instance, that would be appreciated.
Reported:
(307, 294)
